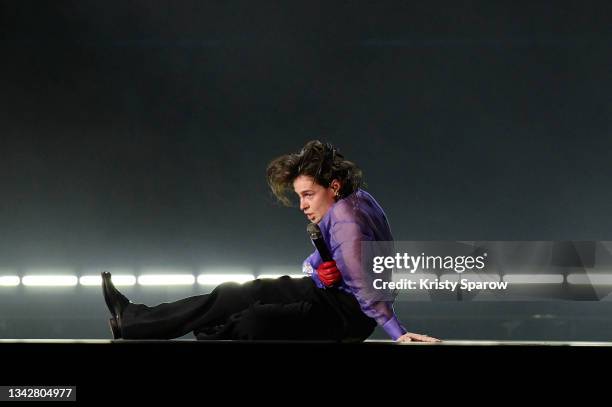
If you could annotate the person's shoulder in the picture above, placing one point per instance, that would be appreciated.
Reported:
(349, 208)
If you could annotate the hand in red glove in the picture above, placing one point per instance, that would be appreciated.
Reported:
(328, 273)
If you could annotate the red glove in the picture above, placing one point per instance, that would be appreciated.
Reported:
(328, 273)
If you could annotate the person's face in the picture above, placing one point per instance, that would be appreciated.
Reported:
(315, 199)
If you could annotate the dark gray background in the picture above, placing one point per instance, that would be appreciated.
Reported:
(136, 133)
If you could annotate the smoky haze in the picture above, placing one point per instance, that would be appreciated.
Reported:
(136, 134)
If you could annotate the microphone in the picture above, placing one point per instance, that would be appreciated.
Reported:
(317, 239)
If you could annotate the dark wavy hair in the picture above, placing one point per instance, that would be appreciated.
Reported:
(322, 161)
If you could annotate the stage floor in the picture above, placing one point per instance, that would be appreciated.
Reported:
(372, 342)
(174, 369)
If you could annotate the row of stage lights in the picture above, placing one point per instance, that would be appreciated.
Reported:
(210, 279)
(119, 279)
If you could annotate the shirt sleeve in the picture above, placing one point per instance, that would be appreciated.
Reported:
(309, 267)
(345, 245)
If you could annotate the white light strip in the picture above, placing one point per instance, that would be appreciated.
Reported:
(166, 279)
(470, 277)
(280, 275)
(9, 281)
(228, 270)
(534, 278)
(49, 281)
(119, 280)
(116, 271)
(590, 279)
(216, 279)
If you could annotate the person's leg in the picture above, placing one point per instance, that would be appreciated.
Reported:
(281, 290)
(208, 315)
(175, 319)
(357, 325)
(295, 321)
(282, 309)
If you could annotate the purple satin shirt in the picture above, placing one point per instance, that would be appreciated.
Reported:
(351, 220)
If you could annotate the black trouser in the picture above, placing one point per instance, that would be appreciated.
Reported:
(281, 308)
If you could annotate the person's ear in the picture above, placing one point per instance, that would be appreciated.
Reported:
(335, 185)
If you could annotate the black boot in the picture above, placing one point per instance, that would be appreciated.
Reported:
(116, 303)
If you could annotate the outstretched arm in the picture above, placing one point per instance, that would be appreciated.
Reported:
(345, 242)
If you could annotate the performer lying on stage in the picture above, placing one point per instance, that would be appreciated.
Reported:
(331, 303)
